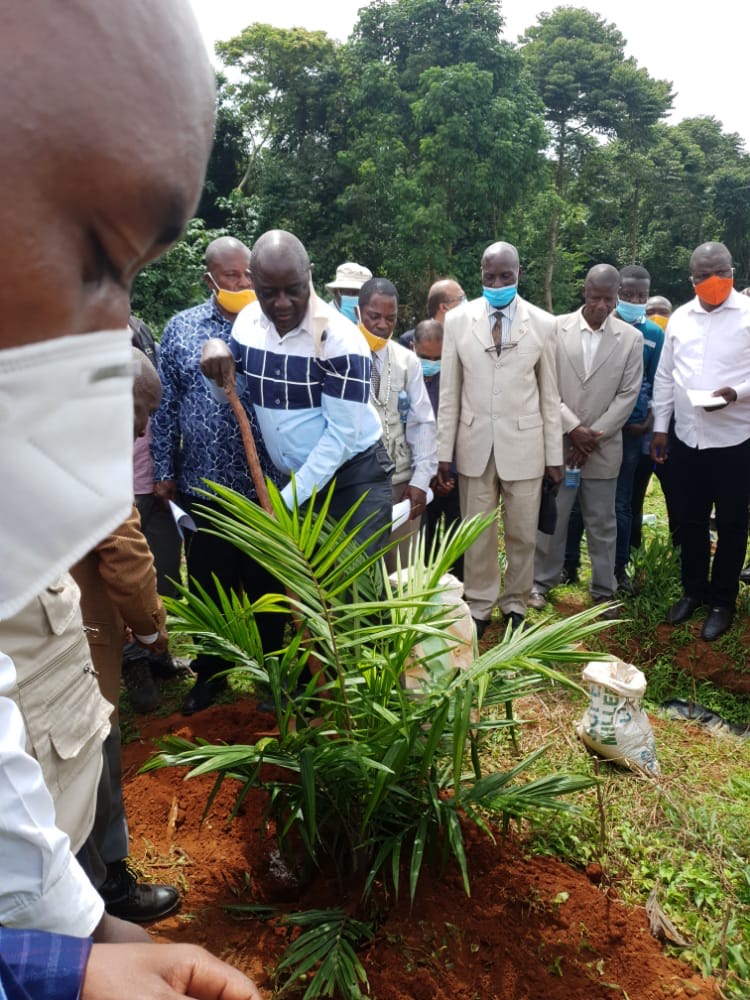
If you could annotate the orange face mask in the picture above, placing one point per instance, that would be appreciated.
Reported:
(714, 290)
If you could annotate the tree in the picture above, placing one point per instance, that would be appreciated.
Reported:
(588, 87)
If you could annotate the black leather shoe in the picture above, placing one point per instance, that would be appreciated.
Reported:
(515, 619)
(480, 624)
(624, 583)
(745, 574)
(683, 609)
(203, 694)
(611, 614)
(140, 902)
(717, 622)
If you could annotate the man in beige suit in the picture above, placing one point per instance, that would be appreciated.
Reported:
(599, 372)
(500, 414)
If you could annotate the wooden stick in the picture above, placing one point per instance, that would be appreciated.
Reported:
(251, 452)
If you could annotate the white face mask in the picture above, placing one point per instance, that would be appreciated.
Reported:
(66, 444)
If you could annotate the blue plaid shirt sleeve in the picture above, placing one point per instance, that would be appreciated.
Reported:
(37, 965)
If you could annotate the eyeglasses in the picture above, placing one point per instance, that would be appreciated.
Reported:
(499, 348)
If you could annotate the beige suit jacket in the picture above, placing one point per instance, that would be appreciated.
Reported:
(605, 398)
(507, 406)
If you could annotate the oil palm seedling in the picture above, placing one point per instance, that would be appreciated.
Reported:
(371, 776)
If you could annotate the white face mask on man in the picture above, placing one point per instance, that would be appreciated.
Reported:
(66, 443)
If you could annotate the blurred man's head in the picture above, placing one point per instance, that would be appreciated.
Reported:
(103, 155)
(658, 310)
(346, 285)
(443, 296)
(428, 346)
(146, 392)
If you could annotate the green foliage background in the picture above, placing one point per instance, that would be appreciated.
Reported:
(427, 135)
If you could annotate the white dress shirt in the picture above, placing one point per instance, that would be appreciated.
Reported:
(506, 315)
(42, 886)
(590, 340)
(705, 350)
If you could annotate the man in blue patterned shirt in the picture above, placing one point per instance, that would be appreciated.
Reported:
(196, 438)
(307, 379)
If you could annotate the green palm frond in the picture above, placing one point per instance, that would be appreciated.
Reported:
(385, 778)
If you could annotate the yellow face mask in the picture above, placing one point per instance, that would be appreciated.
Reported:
(376, 343)
(233, 302)
(659, 320)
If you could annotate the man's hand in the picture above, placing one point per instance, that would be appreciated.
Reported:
(166, 490)
(418, 500)
(159, 645)
(217, 362)
(726, 393)
(638, 430)
(584, 439)
(554, 473)
(161, 972)
(658, 450)
(446, 481)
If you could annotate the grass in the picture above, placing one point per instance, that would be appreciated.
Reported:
(688, 834)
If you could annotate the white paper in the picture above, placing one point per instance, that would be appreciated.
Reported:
(401, 510)
(182, 520)
(703, 397)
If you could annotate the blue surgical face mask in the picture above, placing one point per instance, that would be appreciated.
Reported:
(429, 368)
(348, 307)
(498, 298)
(631, 312)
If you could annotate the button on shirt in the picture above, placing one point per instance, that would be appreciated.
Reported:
(310, 392)
(195, 436)
(705, 350)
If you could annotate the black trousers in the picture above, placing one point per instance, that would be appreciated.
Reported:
(445, 509)
(207, 555)
(702, 479)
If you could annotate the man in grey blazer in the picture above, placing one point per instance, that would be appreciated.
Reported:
(599, 372)
(500, 415)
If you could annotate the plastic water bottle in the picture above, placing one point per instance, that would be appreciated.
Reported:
(403, 405)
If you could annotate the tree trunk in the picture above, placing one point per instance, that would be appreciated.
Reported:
(554, 227)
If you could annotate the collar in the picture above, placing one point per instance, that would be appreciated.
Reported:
(509, 310)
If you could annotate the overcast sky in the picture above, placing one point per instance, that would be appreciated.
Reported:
(705, 59)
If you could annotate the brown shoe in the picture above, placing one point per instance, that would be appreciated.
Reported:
(537, 600)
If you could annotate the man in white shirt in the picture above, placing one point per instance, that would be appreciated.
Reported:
(706, 357)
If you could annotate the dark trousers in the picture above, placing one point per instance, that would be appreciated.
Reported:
(631, 449)
(445, 509)
(706, 478)
(369, 472)
(207, 555)
(646, 466)
(157, 524)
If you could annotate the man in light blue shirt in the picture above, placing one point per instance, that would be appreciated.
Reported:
(306, 372)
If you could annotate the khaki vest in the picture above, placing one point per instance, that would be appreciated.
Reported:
(393, 378)
(57, 691)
